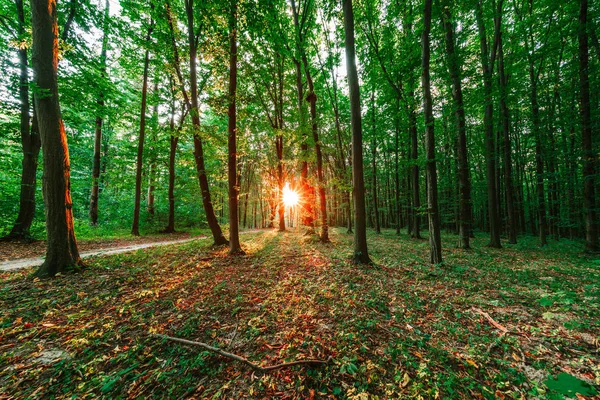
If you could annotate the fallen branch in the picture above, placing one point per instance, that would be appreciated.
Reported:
(497, 325)
(491, 320)
(241, 359)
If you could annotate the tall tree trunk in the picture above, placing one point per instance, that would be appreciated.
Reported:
(211, 218)
(234, 187)
(374, 165)
(61, 252)
(307, 207)
(414, 155)
(539, 162)
(152, 166)
(98, 130)
(488, 122)
(511, 221)
(435, 240)
(361, 253)
(464, 183)
(589, 155)
(135, 229)
(30, 142)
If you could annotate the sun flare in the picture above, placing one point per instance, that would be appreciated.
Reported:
(290, 197)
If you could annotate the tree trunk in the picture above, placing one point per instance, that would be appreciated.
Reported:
(464, 183)
(488, 122)
(135, 229)
(589, 156)
(374, 165)
(152, 167)
(511, 221)
(30, 142)
(98, 130)
(361, 253)
(234, 188)
(62, 253)
(211, 219)
(435, 240)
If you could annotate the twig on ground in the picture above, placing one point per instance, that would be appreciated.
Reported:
(496, 324)
(241, 359)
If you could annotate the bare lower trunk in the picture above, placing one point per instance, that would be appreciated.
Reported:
(361, 253)
(464, 183)
(211, 218)
(435, 241)
(234, 186)
(488, 121)
(98, 129)
(589, 156)
(30, 141)
(135, 229)
(62, 253)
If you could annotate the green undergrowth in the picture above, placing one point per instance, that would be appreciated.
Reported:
(518, 322)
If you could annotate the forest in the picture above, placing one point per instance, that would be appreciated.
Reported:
(359, 199)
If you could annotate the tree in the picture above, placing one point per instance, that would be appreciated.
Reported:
(361, 253)
(213, 224)
(464, 182)
(61, 249)
(589, 156)
(30, 142)
(487, 65)
(435, 241)
(98, 129)
(234, 236)
(135, 229)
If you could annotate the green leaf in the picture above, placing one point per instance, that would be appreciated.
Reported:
(569, 385)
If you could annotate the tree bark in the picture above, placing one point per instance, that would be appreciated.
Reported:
(511, 221)
(589, 156)
(30, 142)
(464, 183)
(435, 240)
(135, 229)
(62, 253)
(488, 122)
(361, 253)
(374, 165)
(93, 214)
(211, 219)
(234, 188)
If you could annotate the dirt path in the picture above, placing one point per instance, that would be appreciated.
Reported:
(35, 261)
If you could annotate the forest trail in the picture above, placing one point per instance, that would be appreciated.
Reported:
(11, 265)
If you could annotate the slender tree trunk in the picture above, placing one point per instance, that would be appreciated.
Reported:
(361, 253)
(62, 253)
(488, 121)
(539, 162)
(30, 142)
(152, 167)
(135, 230)
(307, 207)
(511, 221)
(414, 155)
(589, 155)
(98, 130)
(464, 183)
(374, 165)
(234, 188)
(211, 218)
(435, 240)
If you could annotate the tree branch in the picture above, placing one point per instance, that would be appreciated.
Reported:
(241, 359)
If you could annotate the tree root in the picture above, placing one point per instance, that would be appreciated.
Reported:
(242, 359)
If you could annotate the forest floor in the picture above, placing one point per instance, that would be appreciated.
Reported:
(518, 322)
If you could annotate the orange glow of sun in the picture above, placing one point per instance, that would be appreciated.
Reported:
(291, 198)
